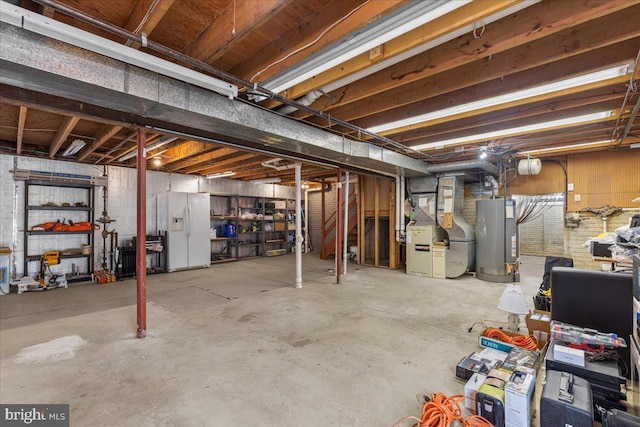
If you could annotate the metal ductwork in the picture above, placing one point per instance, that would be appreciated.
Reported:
(460, 256)
(423, 192)
(464, 166)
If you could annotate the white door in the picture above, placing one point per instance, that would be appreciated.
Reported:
(199, 222)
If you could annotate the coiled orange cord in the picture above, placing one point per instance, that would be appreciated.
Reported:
(529, 342)
(441, 411)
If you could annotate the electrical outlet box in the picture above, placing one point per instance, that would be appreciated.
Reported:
(576, 197)
(570, 186)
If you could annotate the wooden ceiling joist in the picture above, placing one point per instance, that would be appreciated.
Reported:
(65, 128)
(232, 26)
(22, 118)
(103, 135)
(465, 15)
(308, 31)
(202, 158)
(224, 163)
(543, 19)
(145, 16)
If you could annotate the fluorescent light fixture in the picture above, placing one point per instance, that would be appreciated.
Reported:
(636, 145)
(220, 175)
(75, 146)
(273, 180)
(560, 85)
(159, 143)
(37, 23)
(564, 147)
(537, 127)
(401, 21)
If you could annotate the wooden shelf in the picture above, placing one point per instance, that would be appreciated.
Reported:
(40, 233)
(222, 239)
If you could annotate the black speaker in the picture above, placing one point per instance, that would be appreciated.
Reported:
(566, 400)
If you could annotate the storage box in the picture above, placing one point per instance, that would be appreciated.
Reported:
(485, 341)
(470, 390)
(479, 362)
(600, 249)
(517, 397)
(539, 324)
(279, 226)
(280, 204)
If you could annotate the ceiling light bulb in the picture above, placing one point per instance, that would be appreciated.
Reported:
(483, 154)
(157, 161)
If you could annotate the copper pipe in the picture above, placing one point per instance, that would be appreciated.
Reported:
(141, 243)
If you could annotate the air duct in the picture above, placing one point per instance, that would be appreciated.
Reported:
(465, 165)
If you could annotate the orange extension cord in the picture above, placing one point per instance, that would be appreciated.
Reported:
(441, 411)
(530, 342)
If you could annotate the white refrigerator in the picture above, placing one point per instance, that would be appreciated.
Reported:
(185, 217)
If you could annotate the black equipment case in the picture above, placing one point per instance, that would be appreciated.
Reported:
(566, 400)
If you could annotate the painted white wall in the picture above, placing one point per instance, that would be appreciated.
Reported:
(121, 203)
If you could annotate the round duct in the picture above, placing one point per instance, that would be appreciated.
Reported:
(529, 166)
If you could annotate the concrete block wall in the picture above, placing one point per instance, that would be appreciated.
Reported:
(121, 204)
(591, 226)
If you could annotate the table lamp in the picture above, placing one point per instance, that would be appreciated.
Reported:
(513, 302)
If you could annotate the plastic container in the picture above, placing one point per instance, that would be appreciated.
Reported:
(230, 230)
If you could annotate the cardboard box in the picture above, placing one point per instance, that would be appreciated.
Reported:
(479, 362)
(496, 344)
(470, 390)
(279, 226)
(539, 324)
(280, 204)
(517, 396)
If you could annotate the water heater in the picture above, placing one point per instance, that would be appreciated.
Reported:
(496, 242)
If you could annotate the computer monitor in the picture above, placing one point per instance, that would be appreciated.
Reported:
(594, 299)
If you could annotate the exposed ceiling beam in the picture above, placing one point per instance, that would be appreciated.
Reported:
(309, 30)
(232, 26)
(186, 149)
(606, 97)
(143, 23)
(22, 118)
(543, 53)
(203, 158)
(221, 163)
(104, 134)
(65, 128)
(534, 23)
(47, 11)
(452, 21)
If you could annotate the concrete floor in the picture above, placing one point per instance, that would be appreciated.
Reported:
(237, 345)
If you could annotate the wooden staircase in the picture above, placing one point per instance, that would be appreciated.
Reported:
(328, 247)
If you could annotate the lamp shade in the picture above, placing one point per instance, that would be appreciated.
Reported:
(512, 300)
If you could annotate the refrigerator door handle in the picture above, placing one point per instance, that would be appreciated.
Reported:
(187, 228)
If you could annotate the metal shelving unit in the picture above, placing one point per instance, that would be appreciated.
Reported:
(87, 209)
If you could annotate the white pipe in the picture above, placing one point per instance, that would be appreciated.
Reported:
(397, 208)
(299, 238)
(346, 222)
(401, 201)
